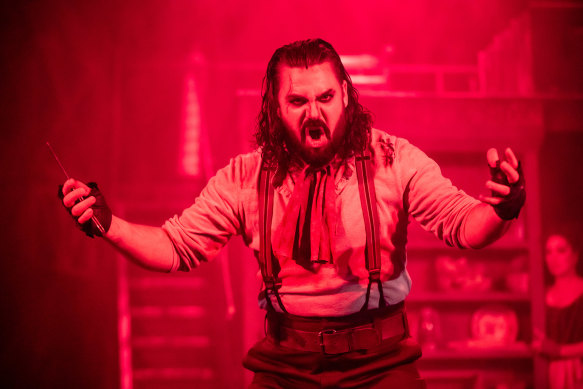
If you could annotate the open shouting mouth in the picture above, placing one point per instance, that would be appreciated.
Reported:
(315, 134)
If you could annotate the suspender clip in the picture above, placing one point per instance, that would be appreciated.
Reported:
(374, 275)
(272, 283)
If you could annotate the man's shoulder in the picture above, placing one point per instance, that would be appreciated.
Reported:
(250, 158)
(244, 168)
(381, 137)
(397, 152)
(388, 146)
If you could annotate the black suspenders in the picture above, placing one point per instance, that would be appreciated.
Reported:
(266, 258)
(365, 177)
(372, 249)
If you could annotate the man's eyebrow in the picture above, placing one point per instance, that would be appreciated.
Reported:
(328, 92)
(292, 96)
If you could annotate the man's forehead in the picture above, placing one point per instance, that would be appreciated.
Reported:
(322, 74)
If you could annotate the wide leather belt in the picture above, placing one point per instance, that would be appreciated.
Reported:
(386, 330)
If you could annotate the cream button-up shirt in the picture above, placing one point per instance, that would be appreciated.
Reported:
(407, 183)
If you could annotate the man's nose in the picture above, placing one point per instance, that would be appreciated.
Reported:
(313, 111)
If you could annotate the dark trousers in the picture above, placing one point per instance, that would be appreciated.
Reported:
(388, 365)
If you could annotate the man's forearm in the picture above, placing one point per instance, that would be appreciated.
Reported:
(483, 226)
(147, 246)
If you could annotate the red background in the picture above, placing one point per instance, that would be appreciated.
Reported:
(104, 83)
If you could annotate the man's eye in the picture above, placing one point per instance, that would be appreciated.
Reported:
(297, 102)
(326, 98)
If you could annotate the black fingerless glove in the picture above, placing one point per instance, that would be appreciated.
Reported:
(101, 212)
(512, 203)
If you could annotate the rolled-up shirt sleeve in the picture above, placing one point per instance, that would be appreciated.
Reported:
(432, 199)
(200, 232)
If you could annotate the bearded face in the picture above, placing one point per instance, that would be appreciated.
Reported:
(312, 103)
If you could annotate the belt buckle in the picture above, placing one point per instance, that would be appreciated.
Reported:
(321, 338)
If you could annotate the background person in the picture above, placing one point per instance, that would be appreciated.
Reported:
(563, 342)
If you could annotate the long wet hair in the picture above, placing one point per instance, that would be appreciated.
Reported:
(270, 133)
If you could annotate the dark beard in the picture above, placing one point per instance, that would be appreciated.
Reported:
(320, 157)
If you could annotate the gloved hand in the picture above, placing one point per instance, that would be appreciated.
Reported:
(507, 185)
(87, 205)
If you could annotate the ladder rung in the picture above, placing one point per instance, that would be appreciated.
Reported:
(171, 373)
(152, 311)
(171, 341)
(167, 282)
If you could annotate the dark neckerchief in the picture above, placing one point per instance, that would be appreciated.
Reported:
(309, 219)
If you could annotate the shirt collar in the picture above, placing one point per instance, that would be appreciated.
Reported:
(343, 172)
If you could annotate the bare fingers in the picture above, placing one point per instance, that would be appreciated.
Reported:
(86, 216)
(492, 157)
(80, 208)
(508, 165)
(511, 158)
(510, 172)
(500, 189)
(74, 192)
(74, 196)
(71, 184)
(490, 200)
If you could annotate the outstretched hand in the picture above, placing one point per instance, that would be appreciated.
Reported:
(87, 206)
(508, 167)
(507, 184)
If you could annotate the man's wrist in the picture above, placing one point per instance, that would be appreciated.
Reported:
(113, 234)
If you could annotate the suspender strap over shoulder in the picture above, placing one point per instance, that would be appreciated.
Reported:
(365, 176)
(266, 259)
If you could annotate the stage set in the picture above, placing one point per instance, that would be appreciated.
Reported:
(150, 98)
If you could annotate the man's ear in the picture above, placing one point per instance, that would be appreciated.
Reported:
(345, 93)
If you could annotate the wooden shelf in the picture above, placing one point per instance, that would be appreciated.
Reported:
(467, 296)
(192, 341)
(160, 311)
(433, 244)
(171, 374)
(517, 351)
(462, 378)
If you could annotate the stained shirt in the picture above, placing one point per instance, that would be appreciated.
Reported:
(407, 183)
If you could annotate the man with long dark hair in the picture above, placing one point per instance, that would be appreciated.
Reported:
(324, 202)
(271, 132)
